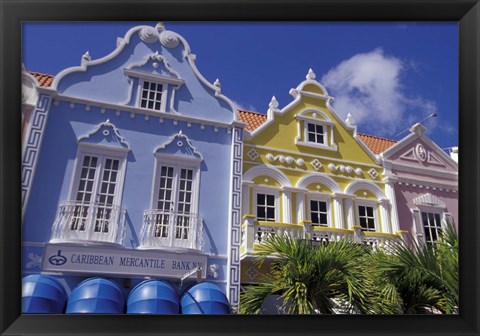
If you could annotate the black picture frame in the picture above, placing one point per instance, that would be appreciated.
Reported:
(13, 12)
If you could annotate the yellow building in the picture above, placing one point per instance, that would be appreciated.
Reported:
(307, 173)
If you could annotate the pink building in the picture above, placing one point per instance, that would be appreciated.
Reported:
(422, 183)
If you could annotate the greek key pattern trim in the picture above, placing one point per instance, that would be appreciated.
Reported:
(32, 145)
(234, 284)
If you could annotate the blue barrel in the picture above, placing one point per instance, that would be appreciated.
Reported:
(153, 297)
(96, 296)
(204, 298)
(42, 294)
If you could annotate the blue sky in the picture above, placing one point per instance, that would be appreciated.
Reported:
(387, 75)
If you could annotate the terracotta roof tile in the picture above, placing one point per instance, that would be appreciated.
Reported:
(44, 79)
(376, 144)
(252, 119)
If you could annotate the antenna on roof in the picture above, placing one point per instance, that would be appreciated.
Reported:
(431, 115)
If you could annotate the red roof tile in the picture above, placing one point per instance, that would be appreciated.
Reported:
(44, 79)
(376, 144)
(252, 119)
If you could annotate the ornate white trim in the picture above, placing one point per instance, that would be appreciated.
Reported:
(268, 170)
(179, 143)
(105, 133)
(318, 178)
(32, 145)
(367, 185)
(285, 159)
(429, 200)
(235, 236)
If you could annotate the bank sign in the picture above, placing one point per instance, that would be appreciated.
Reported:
(118, 261)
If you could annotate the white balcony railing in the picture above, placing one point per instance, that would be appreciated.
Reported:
(170, 229)
(256, 232)
(89, 222)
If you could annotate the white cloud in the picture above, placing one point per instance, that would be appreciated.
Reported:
(247, 107)
(369, 86)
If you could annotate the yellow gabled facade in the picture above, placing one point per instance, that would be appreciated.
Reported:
(305, 172)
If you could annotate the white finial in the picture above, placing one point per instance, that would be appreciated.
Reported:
(311, 75)
(272, 108)
(86, 56)
(160, 27)
(350, 120)
(180, 133)
(273, 103)
(108, 121)
(217, 83)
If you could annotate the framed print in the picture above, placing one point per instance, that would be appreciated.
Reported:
(307, 166)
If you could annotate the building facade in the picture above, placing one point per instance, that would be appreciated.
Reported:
(307, 173)
(132, 170)
(425, 180)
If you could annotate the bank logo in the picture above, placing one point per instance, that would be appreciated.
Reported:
(57, 259)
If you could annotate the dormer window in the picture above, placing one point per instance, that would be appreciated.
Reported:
(315, 129)
(151, 96)
(315, 133)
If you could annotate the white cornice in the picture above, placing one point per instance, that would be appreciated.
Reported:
(424, 171)
(154, 78)
(426, 184)
(138, 110)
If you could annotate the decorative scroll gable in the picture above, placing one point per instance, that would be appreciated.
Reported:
(180, 146)
(429, 200)
(105, 135)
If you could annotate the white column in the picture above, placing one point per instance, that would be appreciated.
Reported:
(390, 193)
(246, 187)
(287, 206)
(300, 201)
(338, 211)
(350, 213)
(384, 216)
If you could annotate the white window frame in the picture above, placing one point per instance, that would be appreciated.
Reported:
(328, 135)
(434, 210)
(178, 162)
(372, 204)
(322, 198)
(270, 191)
(96, 150)
(163, 102)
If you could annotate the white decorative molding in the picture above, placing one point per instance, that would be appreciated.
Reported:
(253, 154)
(107, 129)
(366, 185)
(350, 121)
(284, 159)
(34, 261)
(316, 164)
(429, 200)
(332, 167)
(179, 140)
(148, 35)
(267, 170)
(306, 180)
(359, 171)
(433, 159)
(169, 39)
(235, 238)
(31, 146)
(373, 173)
(420, 152)
(212, 270)
(409, 155)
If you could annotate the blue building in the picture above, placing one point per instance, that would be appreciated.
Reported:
(131, 170)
